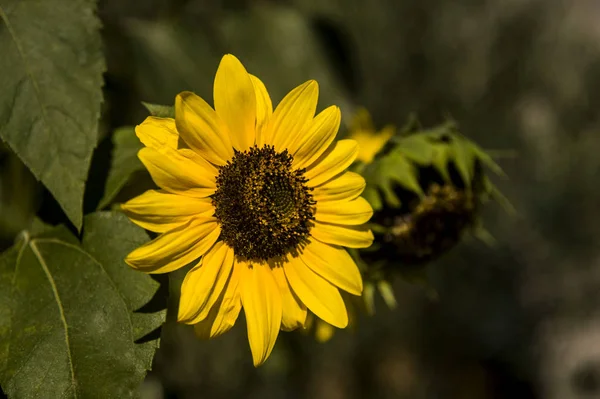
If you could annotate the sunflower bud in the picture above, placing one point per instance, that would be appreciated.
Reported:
(427, 188)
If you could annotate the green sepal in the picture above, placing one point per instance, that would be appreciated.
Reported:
(160, 111)
(369, 298)
(387, 293)
(464, 160)
(440, 160)
(417, 149)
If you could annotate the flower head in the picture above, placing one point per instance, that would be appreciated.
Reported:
(262, 199)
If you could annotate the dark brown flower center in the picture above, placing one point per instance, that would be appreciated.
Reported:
(264, 206)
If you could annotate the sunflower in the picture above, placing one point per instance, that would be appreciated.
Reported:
(370, 141)
(261, 199)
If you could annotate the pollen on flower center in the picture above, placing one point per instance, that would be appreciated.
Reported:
(264, 207)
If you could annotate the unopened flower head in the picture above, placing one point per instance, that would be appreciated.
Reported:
(434, 226)
(261, 199)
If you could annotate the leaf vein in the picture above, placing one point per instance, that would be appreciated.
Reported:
(12, 294)
(36, 88)
(79, 249)
(29, 357)
(44, 266)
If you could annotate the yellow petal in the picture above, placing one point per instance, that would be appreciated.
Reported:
(334, 161)
(261, 300)
(346, 236)
(370, 142)
(192, 155)
(160, 211)
(177, 174)
(202, 129)
(322, 298)
(204, 284)
(175, 248)
(315, 142)
(158, 133)
(355, 212)
(161, 135)
(224, 313)
(294, 311)
(235, 101)
(334, 264)
(348, 186)
(264, 109)
(293, 116)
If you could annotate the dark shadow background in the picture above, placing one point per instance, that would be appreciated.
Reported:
(519, 320)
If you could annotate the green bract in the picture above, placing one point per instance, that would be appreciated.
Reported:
(443, 149)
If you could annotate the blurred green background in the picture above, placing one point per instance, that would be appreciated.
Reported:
(519, 320)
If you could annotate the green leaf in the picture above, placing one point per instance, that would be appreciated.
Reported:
(124, 163)
(67, 321)
(161, 111)
(51, 78)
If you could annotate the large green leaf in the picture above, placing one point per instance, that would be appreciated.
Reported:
(124, 163)
(67, 321)
(51, 76)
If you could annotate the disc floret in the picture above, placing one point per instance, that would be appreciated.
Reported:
(263, 205)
